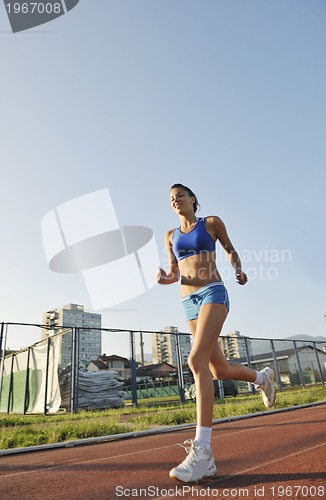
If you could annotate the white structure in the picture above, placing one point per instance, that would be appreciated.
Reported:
(164, 346)
(90, 340)
(288, 365)
(84, 235)
(307, 358)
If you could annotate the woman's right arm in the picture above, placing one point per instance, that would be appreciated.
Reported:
(173, 274)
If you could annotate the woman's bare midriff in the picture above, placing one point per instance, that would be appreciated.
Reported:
(196, 271)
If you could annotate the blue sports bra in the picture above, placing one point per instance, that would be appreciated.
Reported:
(198, 240)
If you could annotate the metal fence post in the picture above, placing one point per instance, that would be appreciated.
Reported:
(2, 354)
(246, 341)
(277, 370)
(221, 389)
(26, 396)
(133, 369)
(76, 404)
(47, 376)
(2, 357)
(299, 365)
(73, 370)
(179, 366)
(11, 383)
(319, 365)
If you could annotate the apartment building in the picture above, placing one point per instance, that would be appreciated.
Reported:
(90, 338)
(164, 348)
(232, 345)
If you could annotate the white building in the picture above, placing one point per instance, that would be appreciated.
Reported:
(307, 359)
(288, 365)
(90, 339)
(164, 349)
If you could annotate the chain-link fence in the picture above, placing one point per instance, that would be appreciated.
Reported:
(55, 373)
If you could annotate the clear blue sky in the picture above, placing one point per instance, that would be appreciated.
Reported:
(227, 97)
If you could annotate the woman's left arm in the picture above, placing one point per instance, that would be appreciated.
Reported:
(219, 229)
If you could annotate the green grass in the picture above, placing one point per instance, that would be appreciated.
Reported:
(18, 431)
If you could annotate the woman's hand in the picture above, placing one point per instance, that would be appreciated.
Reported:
(166, 278)
(241, 277)
(161, 276)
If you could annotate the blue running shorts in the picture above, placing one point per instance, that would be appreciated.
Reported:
(212, 293)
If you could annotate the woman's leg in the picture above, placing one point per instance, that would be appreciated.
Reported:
(204, 358)
(222, 369)
(200, 461)
(205, 331)
(228, 370)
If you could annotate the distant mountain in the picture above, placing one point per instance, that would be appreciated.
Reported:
(307, 338)
(264, 346)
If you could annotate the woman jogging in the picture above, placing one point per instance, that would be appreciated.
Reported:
(191, 257)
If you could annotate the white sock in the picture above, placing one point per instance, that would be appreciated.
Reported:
(203, 436)
(259, 379)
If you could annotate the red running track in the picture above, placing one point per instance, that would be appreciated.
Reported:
(278, 455)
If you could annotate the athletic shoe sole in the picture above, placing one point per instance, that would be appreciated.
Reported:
(204, 479)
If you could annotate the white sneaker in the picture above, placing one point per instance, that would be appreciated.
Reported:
(266, 388)
(198, 465)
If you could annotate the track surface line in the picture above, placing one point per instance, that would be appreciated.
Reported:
(267, 464)
(81, 461)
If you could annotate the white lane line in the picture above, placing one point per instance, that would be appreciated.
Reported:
(245, 471)
(266, 464)
(83, 462)
(262, 426)
(147, 450)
